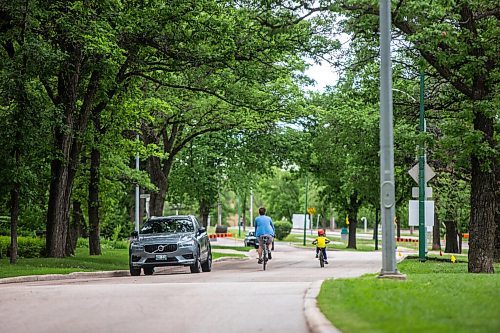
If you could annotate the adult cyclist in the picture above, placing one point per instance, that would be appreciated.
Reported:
(264, 227)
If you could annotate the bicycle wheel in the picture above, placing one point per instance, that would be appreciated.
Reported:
(264, 255)
(321, 259)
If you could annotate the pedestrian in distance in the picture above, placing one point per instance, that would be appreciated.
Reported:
(264, 227)
(320, 243)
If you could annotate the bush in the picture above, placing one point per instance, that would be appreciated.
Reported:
(27, 247)
(282, 229)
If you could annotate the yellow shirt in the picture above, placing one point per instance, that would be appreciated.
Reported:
(321, 242)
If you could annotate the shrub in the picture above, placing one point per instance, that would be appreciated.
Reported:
(82, 243)
(282, 229)
(27, 247)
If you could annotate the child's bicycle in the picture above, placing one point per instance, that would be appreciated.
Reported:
(321, 259)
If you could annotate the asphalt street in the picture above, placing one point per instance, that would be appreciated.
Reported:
(237, 296)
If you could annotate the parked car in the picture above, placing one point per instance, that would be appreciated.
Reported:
(170, 241)
(251, 240)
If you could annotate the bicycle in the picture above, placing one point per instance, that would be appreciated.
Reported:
(265, 251)
(321, 259)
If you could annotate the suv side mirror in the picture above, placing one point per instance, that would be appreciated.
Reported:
(201, 230)
(135, 233)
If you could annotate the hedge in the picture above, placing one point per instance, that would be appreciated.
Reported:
(282, 229)
(27, 247)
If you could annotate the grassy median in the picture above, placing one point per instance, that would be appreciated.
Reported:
(438, 296)
(110, 260)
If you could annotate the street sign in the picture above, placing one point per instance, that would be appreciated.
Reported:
(428, 192)
(429, 173)
(145, 196)
(414, 213)
(311, 210)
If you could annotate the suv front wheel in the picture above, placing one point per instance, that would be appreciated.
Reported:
(196, 267)
(207, 265)
(135, 271)
(148, 270)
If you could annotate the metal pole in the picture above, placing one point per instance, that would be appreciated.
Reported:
(305, 215)
(219, 211)
(375, 233)
(386, 144)
(137, 203)
(421, 177)
(251, 208)
(239, 217)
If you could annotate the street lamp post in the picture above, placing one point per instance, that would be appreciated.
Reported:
(387, 186)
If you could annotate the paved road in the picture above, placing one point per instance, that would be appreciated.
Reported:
(237, 296)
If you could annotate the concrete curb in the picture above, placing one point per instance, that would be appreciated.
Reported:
(74, 275)
(83, 275)
(316, 321)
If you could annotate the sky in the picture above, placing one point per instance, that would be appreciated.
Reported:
(323, 75)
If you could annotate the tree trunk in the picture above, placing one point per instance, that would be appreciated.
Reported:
(93, 208)
(353, 221)
(398, 228)
(497, 215)
(68, 144)
(436, 236)
(483, 201)
(159, 179)
(352, 231)
(58, 209)
(460, 242)
(78, 219)
(204, 211)
(244, 209)
(14, 216)
(72, 238)
(451, 237)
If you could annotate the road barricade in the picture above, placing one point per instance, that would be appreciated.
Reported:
(220, 235)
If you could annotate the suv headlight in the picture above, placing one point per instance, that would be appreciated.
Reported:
(187, 243)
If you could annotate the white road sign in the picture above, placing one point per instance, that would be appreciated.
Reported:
(429, 173)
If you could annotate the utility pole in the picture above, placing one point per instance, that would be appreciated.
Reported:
(387, 195)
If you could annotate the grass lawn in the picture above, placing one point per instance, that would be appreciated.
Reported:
(110, 260)
(236, 248)
(337, 242)
(438, 296)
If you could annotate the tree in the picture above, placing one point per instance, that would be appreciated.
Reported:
(459, 41)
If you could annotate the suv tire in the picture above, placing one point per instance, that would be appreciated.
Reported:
(135, 271)
(196, 267)
(148, 270)
(207, 265)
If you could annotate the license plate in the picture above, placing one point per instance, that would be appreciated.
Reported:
(161, 257)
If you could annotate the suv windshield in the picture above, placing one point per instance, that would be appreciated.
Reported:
(167, 226)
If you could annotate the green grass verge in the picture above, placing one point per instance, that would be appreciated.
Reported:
(236, 248)
(110, 260)
(438, 296)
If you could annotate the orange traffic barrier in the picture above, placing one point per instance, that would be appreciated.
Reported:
(409, 240)
(220, 235)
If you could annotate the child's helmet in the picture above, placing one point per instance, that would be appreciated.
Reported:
(321, 232)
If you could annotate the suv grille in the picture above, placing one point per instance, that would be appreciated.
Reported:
(166, 248)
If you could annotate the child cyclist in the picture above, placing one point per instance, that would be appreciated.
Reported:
(320, 243)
